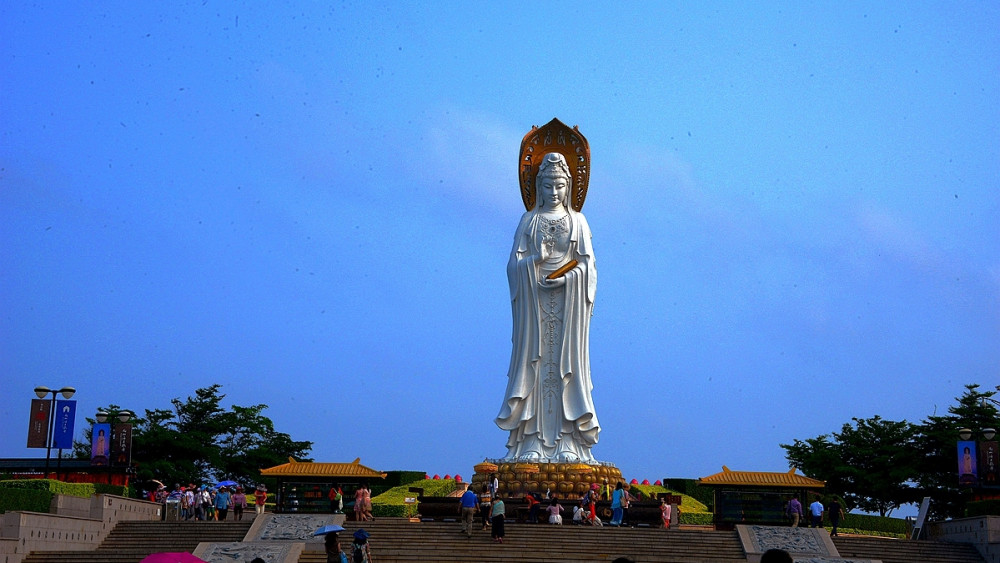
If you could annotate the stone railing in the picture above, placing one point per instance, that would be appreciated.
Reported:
(74, 524)
(981, 531)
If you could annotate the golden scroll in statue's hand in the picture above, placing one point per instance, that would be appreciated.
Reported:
(562, 271)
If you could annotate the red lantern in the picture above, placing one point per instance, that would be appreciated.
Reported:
(633, 482)
(436, 476)
(458, 478)
(645, 481)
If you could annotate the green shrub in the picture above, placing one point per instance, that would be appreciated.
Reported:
(982, 508)
(690, 487)
(696, 518)
(874, 525)
(392, 502)
(688, 503)
(29, 499)
(105, 489)
(82, 490)
(34, 484)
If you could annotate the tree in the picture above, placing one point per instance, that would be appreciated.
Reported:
(936, 443)
(198, 441)
(872, 464)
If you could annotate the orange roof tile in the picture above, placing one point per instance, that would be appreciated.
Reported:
(761, 479)
(311, 469)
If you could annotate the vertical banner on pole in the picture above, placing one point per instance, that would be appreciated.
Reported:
(38, 428)
(123, 444)
(100, 443)
(967, 471)
(62, 433)
(989, 464)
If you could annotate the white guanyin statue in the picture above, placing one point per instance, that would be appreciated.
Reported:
(548, 407)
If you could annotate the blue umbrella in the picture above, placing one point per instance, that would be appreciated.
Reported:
(330, 529)
(226, 484)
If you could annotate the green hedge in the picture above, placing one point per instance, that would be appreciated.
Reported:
(119, 490)
(391, 502)
(32, 500)
(82, 490)
(690, 487)
(874, 525)
(688, 503)
(982, 508)
(699, 518)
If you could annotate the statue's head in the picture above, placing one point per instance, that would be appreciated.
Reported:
(553, 181)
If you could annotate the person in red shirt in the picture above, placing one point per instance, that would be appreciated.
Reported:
(259, 498)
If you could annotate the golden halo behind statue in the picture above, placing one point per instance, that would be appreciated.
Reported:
(555, 136)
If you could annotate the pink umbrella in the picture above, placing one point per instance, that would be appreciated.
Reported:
(180, 557)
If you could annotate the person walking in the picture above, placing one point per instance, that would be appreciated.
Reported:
(485, 507)
(239, 502)
(816, 512)
(794, 511)
(836, 512)
(470, 503)
(497, 515)
(359, 503)
(222, 503)
(360, 548)
(334, 554)
(260, 498)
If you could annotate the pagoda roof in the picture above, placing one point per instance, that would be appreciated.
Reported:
(313, 469)
(788, 479)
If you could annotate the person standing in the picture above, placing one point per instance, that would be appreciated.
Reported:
(222, 502)
(187, 502)
(616, 505)
(497, 515)
(794, 511)
(665, 513)
(470, 503)
(627, 499)
(836, 512)
(816, 512)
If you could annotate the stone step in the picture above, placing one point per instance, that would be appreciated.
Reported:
(399, 541)
(132, 541)
(906, 551)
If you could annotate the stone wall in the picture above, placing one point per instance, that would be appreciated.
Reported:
(981, 531)
(77, 524)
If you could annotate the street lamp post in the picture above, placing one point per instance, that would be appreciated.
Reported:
(41, 392)
(124, 436)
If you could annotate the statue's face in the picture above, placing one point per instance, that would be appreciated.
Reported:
(552, 191)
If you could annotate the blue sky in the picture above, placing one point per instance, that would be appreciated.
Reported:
(794, 207)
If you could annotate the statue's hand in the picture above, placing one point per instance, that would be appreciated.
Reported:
(558, 282)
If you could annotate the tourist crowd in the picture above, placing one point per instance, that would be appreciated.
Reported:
(205, 502)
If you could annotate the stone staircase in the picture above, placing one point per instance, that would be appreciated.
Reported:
(131, 541)
(395, 540)
(906, 551)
